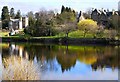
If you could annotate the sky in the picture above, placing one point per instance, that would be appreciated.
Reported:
(35, 5)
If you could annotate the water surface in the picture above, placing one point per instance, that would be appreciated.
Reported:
(59, 62)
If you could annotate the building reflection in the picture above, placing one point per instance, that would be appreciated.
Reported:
(18, 50)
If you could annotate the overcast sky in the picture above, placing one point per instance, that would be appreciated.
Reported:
(36, 5)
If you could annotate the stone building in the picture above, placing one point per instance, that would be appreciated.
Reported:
(80, 16)
(24, 22)
(17, 24)
(102, 16)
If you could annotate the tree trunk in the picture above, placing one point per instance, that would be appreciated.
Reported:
(84, 33)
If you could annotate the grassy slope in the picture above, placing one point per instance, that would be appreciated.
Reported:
(74, 34)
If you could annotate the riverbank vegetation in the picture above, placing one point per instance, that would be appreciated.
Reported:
(17, 68)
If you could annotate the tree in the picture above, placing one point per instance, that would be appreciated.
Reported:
(31, 21)
(5, 17)
(62, 9)
(45, 22)
(42, 24)
(87, 14)
(69, 22)
(30, 14)
(12, 14)
(68, 27)
(66, 21)
(18, 15)
(87, 25)
(114, 22)
(31, 18)
(67, 9)
(65, 16)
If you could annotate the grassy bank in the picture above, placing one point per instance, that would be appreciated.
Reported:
(62, 40)
(74, 34)
(75, 37)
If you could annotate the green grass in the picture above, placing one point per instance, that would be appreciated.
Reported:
(73, 34)
(61, 35)
(4, 34)
(76, 34)
(80, 34)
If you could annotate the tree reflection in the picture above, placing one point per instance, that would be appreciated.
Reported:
(66, 59)
(98, 57)
(108, 60)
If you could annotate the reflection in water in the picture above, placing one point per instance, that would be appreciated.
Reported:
(61, 59)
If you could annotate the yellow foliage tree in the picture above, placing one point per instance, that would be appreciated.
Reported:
(87, 25)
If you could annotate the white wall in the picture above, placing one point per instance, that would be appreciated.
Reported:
(20, 23)
(26, 22)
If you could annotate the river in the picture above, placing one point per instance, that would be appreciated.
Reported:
(60, 62)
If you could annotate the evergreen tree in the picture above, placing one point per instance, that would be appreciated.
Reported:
(30, 14)
(73, 11)
(5, 17)
(18, 15)
(12, 14)
(62, 9)
(31, 21)
(67, 9)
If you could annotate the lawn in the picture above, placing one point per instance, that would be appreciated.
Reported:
(73, 34)
(80, 34)
(2, 34)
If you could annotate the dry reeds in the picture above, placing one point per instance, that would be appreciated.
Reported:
(17, 68)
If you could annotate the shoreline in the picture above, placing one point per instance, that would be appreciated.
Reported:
(63, 40)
